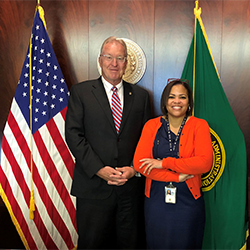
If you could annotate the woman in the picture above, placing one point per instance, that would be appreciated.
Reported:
(173, 151)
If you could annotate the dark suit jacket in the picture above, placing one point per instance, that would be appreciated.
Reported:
(93, 140)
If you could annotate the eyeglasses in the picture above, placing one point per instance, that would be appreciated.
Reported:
(177, 79)
(110, 58)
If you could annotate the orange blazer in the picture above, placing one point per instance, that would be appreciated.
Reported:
(195, 154)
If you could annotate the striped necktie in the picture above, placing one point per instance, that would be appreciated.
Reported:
(116, 109)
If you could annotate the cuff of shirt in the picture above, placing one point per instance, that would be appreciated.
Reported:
(137, 174)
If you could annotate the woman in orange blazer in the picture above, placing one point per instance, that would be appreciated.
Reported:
(173, 152)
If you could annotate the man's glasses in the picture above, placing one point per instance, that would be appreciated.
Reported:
(177, 79)
(110, 58)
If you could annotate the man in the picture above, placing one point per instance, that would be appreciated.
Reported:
(109, 195)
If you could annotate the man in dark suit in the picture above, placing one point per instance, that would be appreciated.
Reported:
(109, 194)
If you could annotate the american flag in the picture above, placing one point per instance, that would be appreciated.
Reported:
(50, 173)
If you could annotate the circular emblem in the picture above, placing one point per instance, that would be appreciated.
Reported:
(210, 178)
(136, 65)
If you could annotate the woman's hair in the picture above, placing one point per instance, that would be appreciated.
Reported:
(115, 39)
(166, 92)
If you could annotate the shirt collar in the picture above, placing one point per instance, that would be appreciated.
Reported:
(109, 86)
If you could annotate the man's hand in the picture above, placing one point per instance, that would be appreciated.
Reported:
(118, 176)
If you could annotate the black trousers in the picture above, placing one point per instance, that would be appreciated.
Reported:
(113, 223)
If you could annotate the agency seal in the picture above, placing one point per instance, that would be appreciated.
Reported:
(210, 178)
(136, 62)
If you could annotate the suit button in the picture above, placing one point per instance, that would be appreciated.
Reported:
(118, 140)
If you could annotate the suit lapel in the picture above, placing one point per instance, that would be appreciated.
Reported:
(101, 96)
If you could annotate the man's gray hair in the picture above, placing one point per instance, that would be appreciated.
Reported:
(112, 39)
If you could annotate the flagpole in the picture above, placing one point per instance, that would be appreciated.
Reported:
(32, 201)
(197, 13)
(195, 24)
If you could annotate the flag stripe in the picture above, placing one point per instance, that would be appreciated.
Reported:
(60, 145)
(67, 156)
(63, 112)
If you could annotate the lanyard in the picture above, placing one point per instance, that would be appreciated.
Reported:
(172, 147)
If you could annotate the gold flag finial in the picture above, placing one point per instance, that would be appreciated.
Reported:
(197, 12)
(196, 4)
(41, 14)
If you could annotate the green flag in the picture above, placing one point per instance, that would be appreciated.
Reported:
(225, 186)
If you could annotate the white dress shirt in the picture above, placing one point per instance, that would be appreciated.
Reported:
(108, 86)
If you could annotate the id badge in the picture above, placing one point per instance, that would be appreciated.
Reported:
(170, 193)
